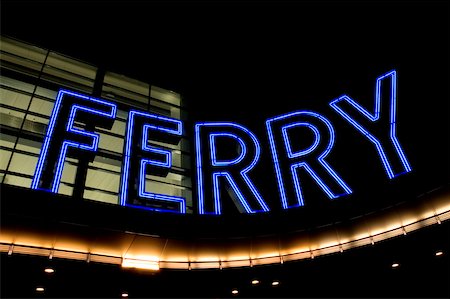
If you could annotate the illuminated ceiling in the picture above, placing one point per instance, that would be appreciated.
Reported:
(153, 252)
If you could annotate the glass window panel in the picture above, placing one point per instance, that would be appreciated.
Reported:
(171, 178)
(24, 164)
(121, 114)
(165, 95)
(4, 158)
(11, 118)
(65, 189)
(62, 76)
(111, 143)
(23, 49)
(160, 108)
(106, 163)
(14, 98)
(176, 158)
(41, 106)
(19, 85)
(29, 146)
(162, 188)
(100, 196)
(68, 84)
(125, 96)
(46, 93)
(174, 177)
(118, 127)
(186, 182)
(35, 124)
(9, 61)
(103, 180)
(71, 65)
(187, 194)
(7, 140)
(183, 160)
(17, 181)
(69, 172)
(175, 112)
(126, 83)
(166, 145)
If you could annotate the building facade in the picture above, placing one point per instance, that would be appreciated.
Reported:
(30, 81)
(84, 220)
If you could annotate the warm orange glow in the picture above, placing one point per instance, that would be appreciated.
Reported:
(234, 292)
(205, 258)
(39, 289)
(255, 281)
(442, 209)
(153, 252)
(49, 270)
(275, 283)
(140, 264)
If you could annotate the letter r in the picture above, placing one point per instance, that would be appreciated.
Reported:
(281, 131)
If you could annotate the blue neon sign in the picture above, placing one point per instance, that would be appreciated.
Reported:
(70, 133)
(235, 172)
(287, 162)
(141, 159)
(64, 139)
(382, 119)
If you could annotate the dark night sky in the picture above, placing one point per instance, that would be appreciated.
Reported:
(247, 61)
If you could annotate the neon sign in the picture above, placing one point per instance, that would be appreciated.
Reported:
(66, 140)
(211, 170)
(384, 118)
(312, 160)
(140, 158)
(70, 133)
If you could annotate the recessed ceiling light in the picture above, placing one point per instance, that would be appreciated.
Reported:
(124, 295)
(49, 270)
(234, 292)
(275, 282)
(255, 281)
(438, 253)
(395, 265)
(39, 289)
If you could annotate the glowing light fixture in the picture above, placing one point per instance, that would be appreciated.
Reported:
(275, 283)
(49, 270)
(255, 281)
(438, 253)
(124, 295)
(140, 264)
(395, 265)
(234, 292)
(39, 289)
